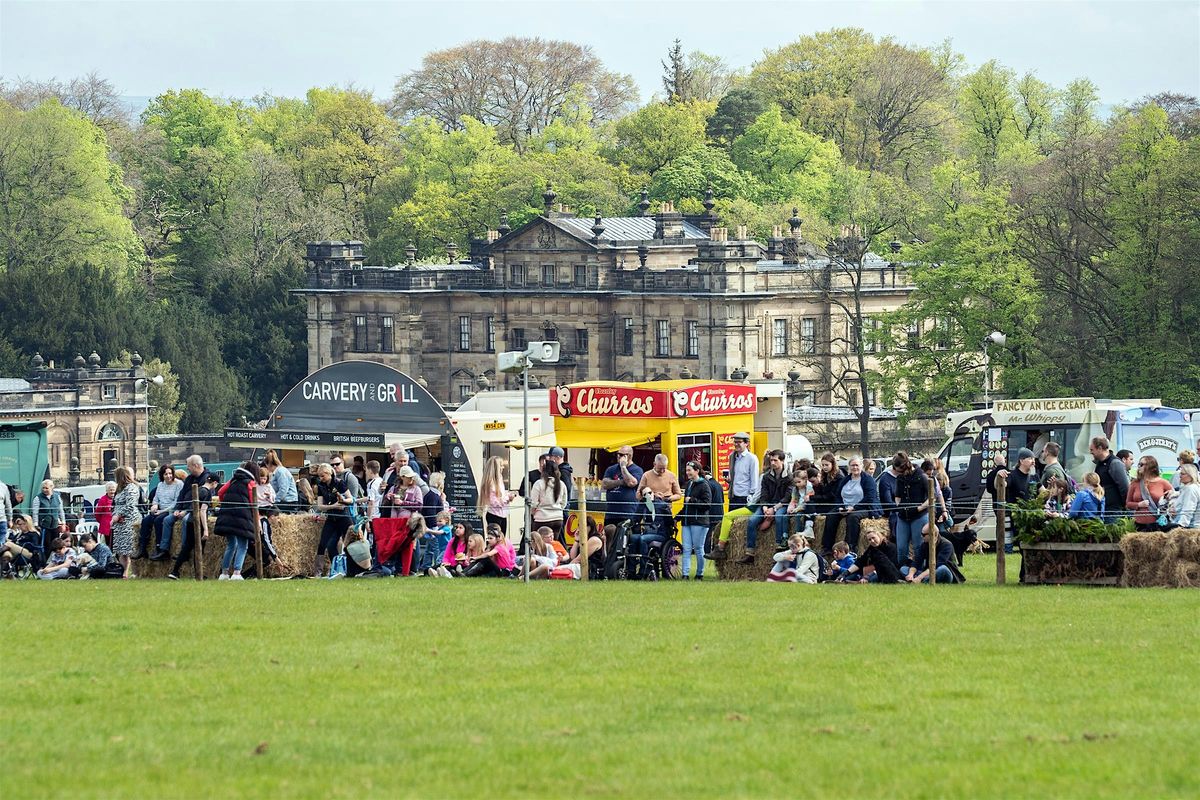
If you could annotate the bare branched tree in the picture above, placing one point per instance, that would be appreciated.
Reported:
(519, 85)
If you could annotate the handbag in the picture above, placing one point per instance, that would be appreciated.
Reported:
(1155, 508)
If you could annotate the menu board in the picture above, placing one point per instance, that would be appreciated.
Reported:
(724, 453)
(995, 443)
(461, 491)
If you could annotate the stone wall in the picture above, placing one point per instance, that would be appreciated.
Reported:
(923, 436)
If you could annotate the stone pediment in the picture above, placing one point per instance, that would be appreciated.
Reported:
(540, 235)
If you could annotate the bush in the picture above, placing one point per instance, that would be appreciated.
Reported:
(1032, 525)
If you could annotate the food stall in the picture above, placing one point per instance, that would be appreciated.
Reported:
(684, 419)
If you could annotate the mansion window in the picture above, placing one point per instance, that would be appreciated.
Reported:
(914, 335)
(516, 339)
(779, 337)
(581, 276)
(693, 339)
(387, 339)
(808, 335)
(662, 338)
(491, 334)
(516, 274)
(581, 340)
(360, 333)
(548, 275)
(464, 334)
(109, 391)
(627, 336)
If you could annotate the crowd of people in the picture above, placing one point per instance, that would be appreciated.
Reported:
(379, 522)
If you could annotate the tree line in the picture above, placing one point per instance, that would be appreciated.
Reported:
(1020, 206)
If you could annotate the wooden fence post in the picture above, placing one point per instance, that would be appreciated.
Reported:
(197, 540)
(581, 532)
(1001, 513)
(259, 569)
(933, 531)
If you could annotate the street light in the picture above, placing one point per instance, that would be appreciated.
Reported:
(518, 361)
(997, 338)
(144, 383)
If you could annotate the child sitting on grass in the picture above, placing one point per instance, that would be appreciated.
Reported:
(454, 557)
(58, 563)
(843, 563)
(432, 544)
(797, 564)
(498, 560)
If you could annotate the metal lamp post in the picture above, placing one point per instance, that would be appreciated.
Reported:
(144, 383)
(519, 361)
(995, 337)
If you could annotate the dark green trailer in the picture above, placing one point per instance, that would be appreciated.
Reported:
(23, 459)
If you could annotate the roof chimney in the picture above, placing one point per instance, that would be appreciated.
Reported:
(668, 223)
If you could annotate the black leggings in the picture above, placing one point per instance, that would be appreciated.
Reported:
(491, 519)
(335, 528)
(486, 568)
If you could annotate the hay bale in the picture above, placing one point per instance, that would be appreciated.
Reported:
(1170, 560)
(295, 537)
(730, 570)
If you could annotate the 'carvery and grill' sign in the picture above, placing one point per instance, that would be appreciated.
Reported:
(704, 400)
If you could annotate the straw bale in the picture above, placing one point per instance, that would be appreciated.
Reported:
(730, 570)
(295, 537)
(1170, 560)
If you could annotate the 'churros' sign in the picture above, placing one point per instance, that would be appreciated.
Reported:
(703, 400)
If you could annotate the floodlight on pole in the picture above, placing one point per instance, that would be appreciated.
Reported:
(515, 362)
(996, 338)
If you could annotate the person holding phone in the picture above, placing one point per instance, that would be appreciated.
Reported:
(620, 484)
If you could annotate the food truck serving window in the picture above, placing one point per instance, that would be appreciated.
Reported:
(694, 447)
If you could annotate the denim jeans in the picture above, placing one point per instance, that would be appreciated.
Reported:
(166, 524)
(756, 519)
(235, 553)
(944, 575)
(427, 547)
(693, 542)
(909, 533)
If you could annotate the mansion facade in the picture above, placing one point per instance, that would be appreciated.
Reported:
(648, 297)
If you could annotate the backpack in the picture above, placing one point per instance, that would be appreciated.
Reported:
(822, 564)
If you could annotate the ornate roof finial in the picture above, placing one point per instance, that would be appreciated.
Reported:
(79, 362)
(597, 229)
(709, 203)
(644, 205)
(504, 227)
(643, 253)
(410, 254)
(94, 360)
(795, 222)
(451, 252)
(37, 361)
(136, 359)
(548, 198)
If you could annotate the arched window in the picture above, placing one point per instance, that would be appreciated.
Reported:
(110, 432)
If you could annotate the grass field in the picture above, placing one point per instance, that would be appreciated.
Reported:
(435, 688)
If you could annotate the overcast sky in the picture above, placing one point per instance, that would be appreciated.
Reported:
(239, 49)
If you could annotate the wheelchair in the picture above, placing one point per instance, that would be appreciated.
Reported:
(664, 560)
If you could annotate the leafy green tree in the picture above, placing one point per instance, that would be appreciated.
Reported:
(968, 282)
(685, 179)
(676, 75)
(61, 197)
(786, 161)
(651, 137)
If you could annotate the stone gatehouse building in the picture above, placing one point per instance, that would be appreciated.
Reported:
(629, 298)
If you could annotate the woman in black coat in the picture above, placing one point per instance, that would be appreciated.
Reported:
(237, 519)
(697, 499)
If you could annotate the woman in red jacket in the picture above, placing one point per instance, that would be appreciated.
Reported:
(103, 511)
(1148, 495)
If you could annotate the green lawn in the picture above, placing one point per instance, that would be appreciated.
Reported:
(436, 688)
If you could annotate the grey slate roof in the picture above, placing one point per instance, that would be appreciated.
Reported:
(14, 385)
(621, 228)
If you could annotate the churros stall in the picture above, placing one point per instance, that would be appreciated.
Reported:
(687, 420)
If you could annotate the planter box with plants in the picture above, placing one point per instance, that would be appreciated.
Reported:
(1057, 550)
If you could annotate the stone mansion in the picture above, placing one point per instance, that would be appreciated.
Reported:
(629, 298)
